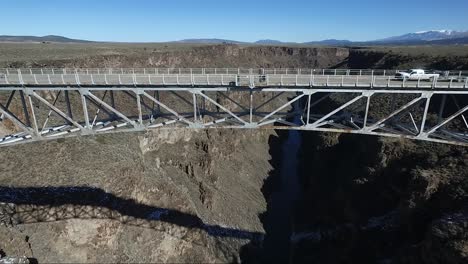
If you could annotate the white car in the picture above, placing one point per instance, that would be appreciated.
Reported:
(417, 74)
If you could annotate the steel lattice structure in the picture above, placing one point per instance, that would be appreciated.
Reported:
(38, 104)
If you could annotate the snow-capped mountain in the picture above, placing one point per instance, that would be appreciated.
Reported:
(429, 35)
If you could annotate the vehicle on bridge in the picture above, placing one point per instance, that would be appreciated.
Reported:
(417, 74)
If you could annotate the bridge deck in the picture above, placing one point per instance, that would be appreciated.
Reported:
(225, 77)
(227, 80)
(37, 104)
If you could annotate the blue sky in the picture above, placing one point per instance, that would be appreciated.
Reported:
(244, 20)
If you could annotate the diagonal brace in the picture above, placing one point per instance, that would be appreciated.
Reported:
(167, 108)
(133, 123)
(401, 109)
(10, 98)
(282, 107)
(450, 118)
(15, 120)
(233, 101)
(268, 101)
(222, 107)
(56, 110)
(319, 122)
(134, 97)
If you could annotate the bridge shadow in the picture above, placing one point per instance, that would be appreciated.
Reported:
(50, 204)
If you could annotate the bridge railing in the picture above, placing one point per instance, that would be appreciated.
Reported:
(227, 71)
(244, 80)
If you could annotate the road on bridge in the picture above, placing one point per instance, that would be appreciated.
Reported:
(223, 77)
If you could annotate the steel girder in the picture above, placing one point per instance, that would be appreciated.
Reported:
(39, 113)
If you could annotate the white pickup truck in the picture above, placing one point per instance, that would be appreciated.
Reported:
(416, 74)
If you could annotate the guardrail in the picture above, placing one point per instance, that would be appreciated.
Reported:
(250, 71)
(268, 80)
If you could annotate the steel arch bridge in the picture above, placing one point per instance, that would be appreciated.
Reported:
(40, 104)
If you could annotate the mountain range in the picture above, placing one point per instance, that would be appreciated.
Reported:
(431, 37)
(48, 38)
(436, 37)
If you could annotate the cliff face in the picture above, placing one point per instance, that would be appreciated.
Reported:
(165, 196)
(379, 200)
(221, 56)
(394, 59)
(369, 199)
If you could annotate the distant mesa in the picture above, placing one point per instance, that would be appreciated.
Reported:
(333, 42)
(268, 41)
(210, 41)
(430, 37)
(49, 38)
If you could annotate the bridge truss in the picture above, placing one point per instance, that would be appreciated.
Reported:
(32, 111)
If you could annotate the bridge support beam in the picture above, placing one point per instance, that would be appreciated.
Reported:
(366, 113)
(138, 94)
(383, 120)
(35, 127)
(256, 108)
(179, 117)
(10, 98)
(446, 121)
(56, 110)
(25, 108)
(13, 118)
(194, 97)
(84, 105)
(261, 122)
(319, 123)
(222, 107)
(113, 110)
(67, 101)
(426, 109)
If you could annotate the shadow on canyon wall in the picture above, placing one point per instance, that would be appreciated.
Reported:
(50, 204)
(252, 252)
